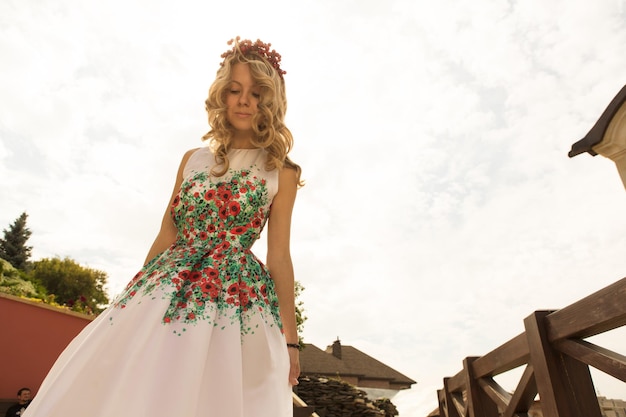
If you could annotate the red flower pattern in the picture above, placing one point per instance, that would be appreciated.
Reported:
(210, 267)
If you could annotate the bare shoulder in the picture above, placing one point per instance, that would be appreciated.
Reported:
(189, 153)
(183, 162)
(186, 156)
(287, 188)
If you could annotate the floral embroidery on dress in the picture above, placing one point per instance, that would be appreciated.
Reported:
(210, 272)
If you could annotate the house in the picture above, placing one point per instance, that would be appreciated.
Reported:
(354, 367)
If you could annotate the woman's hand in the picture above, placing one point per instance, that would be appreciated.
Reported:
(294, 365)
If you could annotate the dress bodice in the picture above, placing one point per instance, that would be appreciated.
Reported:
(218, 213)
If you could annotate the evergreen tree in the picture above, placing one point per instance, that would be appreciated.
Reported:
(13, 247)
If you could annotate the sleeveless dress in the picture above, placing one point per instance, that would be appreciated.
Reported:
(197, 332)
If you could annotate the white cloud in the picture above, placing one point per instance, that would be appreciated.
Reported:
(440, 207)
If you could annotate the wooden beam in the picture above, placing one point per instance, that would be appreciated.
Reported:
(498, 395)
(457, 382)
(600, 358)
(508, 356)
(524, 395)
(600, 312)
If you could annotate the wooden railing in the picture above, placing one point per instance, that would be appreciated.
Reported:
(556, 359)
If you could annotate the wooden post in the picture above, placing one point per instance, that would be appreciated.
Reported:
(478, 402)
(451, 410)
(565, 386)
(442, 403)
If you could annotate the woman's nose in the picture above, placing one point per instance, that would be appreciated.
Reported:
(243, 100)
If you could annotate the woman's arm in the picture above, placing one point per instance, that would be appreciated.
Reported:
(279, 261)
(168, 231)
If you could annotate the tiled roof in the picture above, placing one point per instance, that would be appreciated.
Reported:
(353, 362)
(314, 360)
(363, 364)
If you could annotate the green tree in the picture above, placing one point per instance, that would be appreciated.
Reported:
(300, 317)
(13, 246)
(78, 287)
(16, 282)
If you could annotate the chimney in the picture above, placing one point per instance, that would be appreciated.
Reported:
(337, 348)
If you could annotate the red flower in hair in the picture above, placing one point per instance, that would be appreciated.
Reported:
(261, 49)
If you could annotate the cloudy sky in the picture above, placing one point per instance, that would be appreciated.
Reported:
(440, 208)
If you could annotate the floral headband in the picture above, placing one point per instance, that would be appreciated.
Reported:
(259, 48)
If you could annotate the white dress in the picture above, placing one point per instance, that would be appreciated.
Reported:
(197, 332)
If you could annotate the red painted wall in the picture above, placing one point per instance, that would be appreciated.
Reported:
(32, 335)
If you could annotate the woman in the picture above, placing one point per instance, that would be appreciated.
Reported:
(205, 328)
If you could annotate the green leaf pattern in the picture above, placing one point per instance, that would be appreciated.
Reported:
(210, 272)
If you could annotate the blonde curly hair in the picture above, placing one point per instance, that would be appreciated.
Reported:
(271, 133)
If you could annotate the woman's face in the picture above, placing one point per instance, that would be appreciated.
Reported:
(242, 99)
